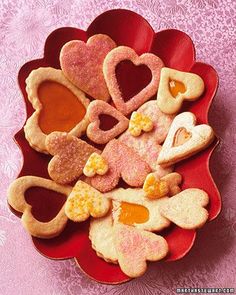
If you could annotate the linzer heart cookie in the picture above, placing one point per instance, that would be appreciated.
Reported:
(16, 199)
(70, 154)
(82, 64)
(94, 132)
(175, 87)
(123, 163)
(58, 104)
(131, 207)
(184, 139)
(83, 201)
(119, 54)
(147, 145)
(186, 209)
(135, 246)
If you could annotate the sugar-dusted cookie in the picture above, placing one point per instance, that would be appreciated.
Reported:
(70, 154)
(135, 246)
(16, 199)
(131, 207)
(186, 209)
(175, 87)
(147, 145)
(101, 236)
(138, 123)
(82, 64)
(156, 187)
(119, 54)
(83, 201)
(123, 163)
(58, 104)
(184, 139)
(95, 164)
(94, 132)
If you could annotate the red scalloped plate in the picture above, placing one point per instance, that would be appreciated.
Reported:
(176, 49)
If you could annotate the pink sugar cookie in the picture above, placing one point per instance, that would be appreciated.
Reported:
(123, 162)
(135, 246)
(97, 108)
(147, 145)
(70, 155)
(82, 64)
(119, 54)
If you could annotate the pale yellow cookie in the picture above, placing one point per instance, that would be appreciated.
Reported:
(138, 123)
(175, 87)
(95, 164)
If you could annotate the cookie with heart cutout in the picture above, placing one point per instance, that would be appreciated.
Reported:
(186, 209)
(134, 247)
(184, 139)
(83, 201)
(94, 131)
(58, 105)
(17, 200)
(70, 155)
(82, 64)
(132, 207)
(175, 87)
(122, 53)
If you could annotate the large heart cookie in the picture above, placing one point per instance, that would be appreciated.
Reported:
(184, 139)
(94, 131)
(58, 104)
(175, 87)
(123, 162)
(83, 201)
(135, 246)
(186, 209)
(16, 199)
(120, 54)
(82, 64)
(70, 155)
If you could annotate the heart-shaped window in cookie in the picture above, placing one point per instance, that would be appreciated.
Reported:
(176, 87)
(133, 213)
(181, 136)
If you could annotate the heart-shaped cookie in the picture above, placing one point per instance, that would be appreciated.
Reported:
(16, 199)
(120, 54)
(186, 209)
(138, 123)
(70, 155)
(134, 247)
(123, 162)
(94, 132)
(58, 104)
(184, 139)
(96, 164)
(82, 64)
(175, 87)
(83, 201)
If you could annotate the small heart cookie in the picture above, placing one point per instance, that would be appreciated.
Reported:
(70, 155)
(94, 132)
(134, 247)
(139, 123)
(82, 64)
(186, 209)
(96, 164)
(16, 199)
(184, 139)
(119, 54)
(84, 201)
(123, 162)
(175, 87)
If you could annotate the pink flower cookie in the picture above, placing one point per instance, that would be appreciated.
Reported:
(82, 64)
(120, 54)
(94, 132)
(122, 162)
(147, 145)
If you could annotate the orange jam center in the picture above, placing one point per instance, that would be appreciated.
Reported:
(61, 110)
(133, 213)
(181, 136)
(176, 87)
